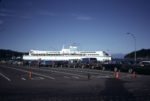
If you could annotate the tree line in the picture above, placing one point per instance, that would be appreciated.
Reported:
(10, 54)
(140, 54)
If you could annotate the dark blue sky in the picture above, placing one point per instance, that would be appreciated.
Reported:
(92, 24)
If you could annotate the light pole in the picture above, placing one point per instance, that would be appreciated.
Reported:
(133, 36)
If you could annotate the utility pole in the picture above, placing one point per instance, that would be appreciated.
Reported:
(133, 36)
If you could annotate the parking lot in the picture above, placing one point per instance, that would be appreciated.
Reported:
(24, 83)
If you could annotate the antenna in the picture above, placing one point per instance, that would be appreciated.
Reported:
(63, 46)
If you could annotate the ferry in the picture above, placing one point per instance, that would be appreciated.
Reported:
(66, 54)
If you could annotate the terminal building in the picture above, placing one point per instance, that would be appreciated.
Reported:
(66, 54)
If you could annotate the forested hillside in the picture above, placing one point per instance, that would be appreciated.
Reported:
(141, 54)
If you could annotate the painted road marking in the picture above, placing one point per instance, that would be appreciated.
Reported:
(23, 78)
(32, 73)
(5, 77)
(66, 77)
(43, 75)
(34, 78)
(62, 72)
(41, 78)
(103, 76)
(76, 77)
(37, 78)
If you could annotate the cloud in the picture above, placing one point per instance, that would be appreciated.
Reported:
(25, 16)
(3, 14)
(82, 17)
(6, 15)
(18, 16)
(6, 10)
(1, 25)
(46, 13)
(1, 22)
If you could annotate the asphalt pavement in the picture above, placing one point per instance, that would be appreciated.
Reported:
(23, 83)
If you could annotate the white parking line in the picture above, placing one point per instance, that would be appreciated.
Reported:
(103, 76)
(5, 77)
(43, 75)
(76, 77)
(37, 78)
(41, 78)
(23, 78)
(66, 77)
(32, 72)
(63, 72)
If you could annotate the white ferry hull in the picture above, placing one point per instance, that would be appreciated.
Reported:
(63, 58)
(66, 54)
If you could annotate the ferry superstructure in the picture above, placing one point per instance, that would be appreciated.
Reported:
(66, 54)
